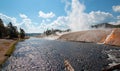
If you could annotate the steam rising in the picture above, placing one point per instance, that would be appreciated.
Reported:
(79, 20)
(77, 16)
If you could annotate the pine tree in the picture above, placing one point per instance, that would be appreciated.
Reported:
(2, 29)
(22, 33)
(12, 31)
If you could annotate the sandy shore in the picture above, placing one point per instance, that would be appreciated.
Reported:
(5, 49)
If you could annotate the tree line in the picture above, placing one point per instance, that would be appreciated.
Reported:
(54, 31)
(10, 31)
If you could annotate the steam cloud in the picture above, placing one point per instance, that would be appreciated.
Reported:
(79, 20)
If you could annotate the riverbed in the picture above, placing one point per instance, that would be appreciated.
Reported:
(37, 54)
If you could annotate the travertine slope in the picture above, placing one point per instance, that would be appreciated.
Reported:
(113, 38)
(87, 36)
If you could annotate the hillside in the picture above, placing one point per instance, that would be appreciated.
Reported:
(106, 36)
(87, 36)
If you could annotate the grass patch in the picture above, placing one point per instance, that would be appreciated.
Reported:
(8, 52)
(11, 48)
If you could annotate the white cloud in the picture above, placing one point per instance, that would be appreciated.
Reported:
(6, 19)
(46, 15)
(26, 23)
(116, 8)
(118, 17)
(60, 23)
(30, 26)
(117, 20)
(96, 17)
(23, 16)
(25, 19)
(48, 20)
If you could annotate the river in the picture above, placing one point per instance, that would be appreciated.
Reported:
(37, 54)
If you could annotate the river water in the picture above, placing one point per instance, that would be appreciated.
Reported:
(37, 54)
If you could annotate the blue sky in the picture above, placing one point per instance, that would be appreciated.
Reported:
(35, 16)
(31, 7)
(102, 5)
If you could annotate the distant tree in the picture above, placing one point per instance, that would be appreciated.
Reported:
(10, 24)
(68, 30)
(9, 28)
(57, 30)
(16, 33)
(48, 32)
(22, 33)
(54, 31)
(2, 29)
(12, 31)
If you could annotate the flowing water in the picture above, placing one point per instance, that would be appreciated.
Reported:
(36, 54)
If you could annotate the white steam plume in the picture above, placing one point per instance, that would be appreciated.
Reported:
(79, 20)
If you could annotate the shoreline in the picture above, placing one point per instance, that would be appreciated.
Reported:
(7, 48)
(98, 36)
